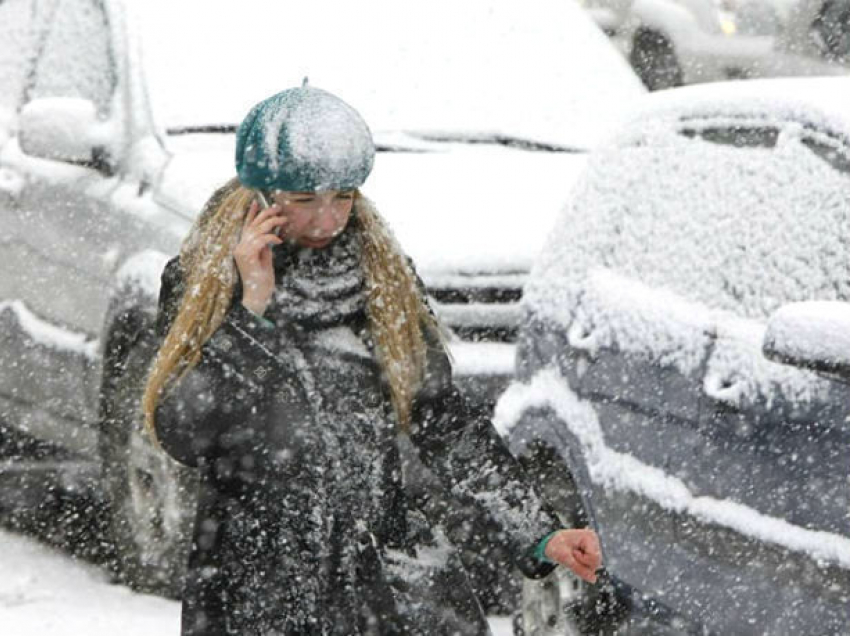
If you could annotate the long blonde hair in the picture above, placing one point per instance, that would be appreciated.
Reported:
(397, 311)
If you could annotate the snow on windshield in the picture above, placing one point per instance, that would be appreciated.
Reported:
(742, 229)
(488, 66)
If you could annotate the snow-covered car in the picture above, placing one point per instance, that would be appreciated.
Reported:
(675, 42)
(648, 396)
(117, 122)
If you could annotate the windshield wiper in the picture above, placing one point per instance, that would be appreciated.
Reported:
(494, 139)
(434, 137)
(230, 129)
(206, 128)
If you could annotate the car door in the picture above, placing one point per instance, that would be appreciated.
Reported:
(61, 239)
(770, 455)
(640, 354)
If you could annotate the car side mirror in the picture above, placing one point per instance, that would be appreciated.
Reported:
(812, 335)
(63, 129)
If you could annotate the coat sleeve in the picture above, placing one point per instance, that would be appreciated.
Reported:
(462, 448)
(202, 417)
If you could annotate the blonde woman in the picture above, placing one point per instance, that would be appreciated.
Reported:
(297, 347)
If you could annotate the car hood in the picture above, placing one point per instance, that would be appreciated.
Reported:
(492, 65)
(455, 208)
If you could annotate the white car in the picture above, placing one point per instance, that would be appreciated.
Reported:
(117, 122)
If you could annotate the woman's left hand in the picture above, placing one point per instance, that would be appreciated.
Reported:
(578, 550)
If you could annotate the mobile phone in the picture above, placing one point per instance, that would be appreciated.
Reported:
(263, 200)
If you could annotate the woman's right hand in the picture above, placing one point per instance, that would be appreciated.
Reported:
(253, 255)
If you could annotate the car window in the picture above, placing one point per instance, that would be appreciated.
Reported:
(831, 29)
(16, 51)
(834, 151)
(738, 136)
(736, 217)
(76, 57)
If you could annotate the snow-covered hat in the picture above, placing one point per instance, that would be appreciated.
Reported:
(303, 139)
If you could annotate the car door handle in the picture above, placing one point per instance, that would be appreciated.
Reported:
(584, 338)
(725, 390)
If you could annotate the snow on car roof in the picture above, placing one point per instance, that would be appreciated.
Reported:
(821, 101)
(483, 66)
(674, 203)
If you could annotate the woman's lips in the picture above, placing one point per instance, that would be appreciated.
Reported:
(314, 242)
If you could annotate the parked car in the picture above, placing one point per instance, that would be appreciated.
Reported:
(117, 121)
(716, 477)
(675, 42)
(814, 41)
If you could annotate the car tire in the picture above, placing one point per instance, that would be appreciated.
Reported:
(150, 497)
(549, 606)
(654, 60)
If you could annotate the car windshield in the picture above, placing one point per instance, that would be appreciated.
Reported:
(722, 213)
(487, 67)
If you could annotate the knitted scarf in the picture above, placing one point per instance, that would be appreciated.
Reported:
(319, 287)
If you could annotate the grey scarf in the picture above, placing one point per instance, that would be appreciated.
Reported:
(320, 287)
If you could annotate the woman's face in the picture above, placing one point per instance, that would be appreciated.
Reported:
(315, 218)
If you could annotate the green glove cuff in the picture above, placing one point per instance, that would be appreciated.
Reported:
(540, 550)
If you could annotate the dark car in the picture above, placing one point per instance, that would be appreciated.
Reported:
(717, 477)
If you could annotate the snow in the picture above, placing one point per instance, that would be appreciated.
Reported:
(483, 65)
(621, 472)
(43, 591)
(323, 135)
(48, 334)
(616, 311)
(820, 101)
(482, 358)
(342, 340)
(457, 208)
(143, 271)
(738, 374)
(815, 330)
(734, 228)
(11, 183)
(15, 42)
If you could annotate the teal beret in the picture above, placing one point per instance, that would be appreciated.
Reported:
(303, 139)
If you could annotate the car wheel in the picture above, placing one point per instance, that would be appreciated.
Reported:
(549, 606)
(151, 498)
(654, 60)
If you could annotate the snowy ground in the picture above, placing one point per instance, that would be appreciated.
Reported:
(43, 591)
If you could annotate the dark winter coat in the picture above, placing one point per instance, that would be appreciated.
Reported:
(305, 529)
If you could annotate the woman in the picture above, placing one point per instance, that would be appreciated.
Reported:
(297, 347)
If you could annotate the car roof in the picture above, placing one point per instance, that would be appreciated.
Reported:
(486, 66)
(816, 101)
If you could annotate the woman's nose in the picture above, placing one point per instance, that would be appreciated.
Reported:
(326, 218)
